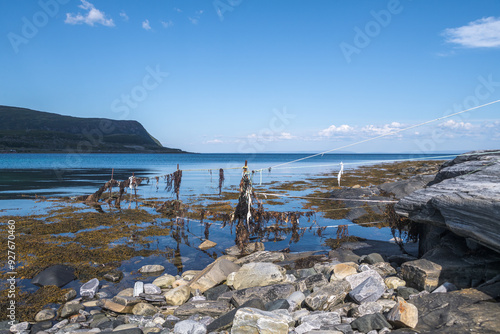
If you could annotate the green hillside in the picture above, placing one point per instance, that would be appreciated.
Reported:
(24, 130)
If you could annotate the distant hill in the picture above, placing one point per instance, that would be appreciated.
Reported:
(25, 130)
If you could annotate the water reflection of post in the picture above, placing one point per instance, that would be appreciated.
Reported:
(177, 260)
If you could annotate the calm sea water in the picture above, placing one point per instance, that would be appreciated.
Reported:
(23, 177)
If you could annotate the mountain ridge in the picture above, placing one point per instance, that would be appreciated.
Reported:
(25, 130)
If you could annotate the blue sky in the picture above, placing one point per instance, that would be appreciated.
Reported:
(263, 76)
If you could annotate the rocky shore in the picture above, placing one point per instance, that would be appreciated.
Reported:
(273, 292)
(448, 283)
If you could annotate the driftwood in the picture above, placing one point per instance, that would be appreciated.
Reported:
(94, 198)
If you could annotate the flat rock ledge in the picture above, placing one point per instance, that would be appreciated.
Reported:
(365, 294)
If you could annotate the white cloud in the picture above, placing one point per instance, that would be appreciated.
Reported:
(286, 136)
(167, 24)
(336, 130)
(451, 124)
(146, 25)
(214, 141)
(91, 17)
(124, 15)
(196, 18)
(482, 33)
(386, 129)
(178, 10)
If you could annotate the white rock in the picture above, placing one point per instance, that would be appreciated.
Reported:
(250, 320)
(258, 274)
(138, 288)
(189, 327)
(90, 288)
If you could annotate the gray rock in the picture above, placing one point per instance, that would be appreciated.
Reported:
(404, 188)
(261, 256)
(226, 320)
(153, 298)
(368, 291)
(216, 273)
(328, 296)
(277, 304)
(151, 289)
(406, 292)
(325, 319)
(264, 293)
(310, 282)
(44, 315)
(343, 255)
(216, 291)
(463, 198)
(151, 268)
(114, 275)
(144, 309)
(357, 279)
(129, 331)
(70, 309)
(126, 301)
(39, 326)
(138, 288)
(90, 288)
(58, 275)
(372, 258)
(189, 327)
(306, 272)
(463, 311)
(295, 299)
(20, 327)
(258, 274)
(421, 274)
(370, 322)
(71, 294)
(209, 307)
(367, 308)
(251, 320)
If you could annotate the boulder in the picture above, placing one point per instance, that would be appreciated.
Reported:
(421, 274)
(216, 291)
(69, 309)
(328, 296)
(144, 309)
(342, 270)
(369, 290)
(464, 198)
(251, 320)
(44, 315)
(372, 258)
(265, 293)
(189, 327)
(226, 320)
(207, 307)
(90, 288)
(463, 311)
(207, 244)
(213, 275)
(370, 322)
(151, 268)
(367, 308)
(277, 305)
(394, 282)
(311, 282)
(258, 274)
(151, 289)
(261, 256)
(357, 279)
(403, 314)
(164, 281)
(177, 296)
(58, 275)
(138, 288)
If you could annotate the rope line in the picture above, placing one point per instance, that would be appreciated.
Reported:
(328, 198)
(386, 134)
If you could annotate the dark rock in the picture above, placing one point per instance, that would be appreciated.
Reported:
(152, 298)
(129, 331)
(114, 275)
(70, 309)
(405, 292)
(404, 188)
(372, 258)
(463, 198)
(40, 326)
(58, 275)
(226, 320)
(369, 290)
(421, 274)
(207, 307)
(328, 296)
(344, 328)
(464, 311)
(105, 325)
(277, 304)
(265, 293)
(370, 322)
(399, 259)
(216, 291)
(311, 282)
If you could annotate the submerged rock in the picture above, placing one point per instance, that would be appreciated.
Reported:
(58, 275)
(90, 288)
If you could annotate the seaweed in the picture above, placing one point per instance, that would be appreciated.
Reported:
(407, 230)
